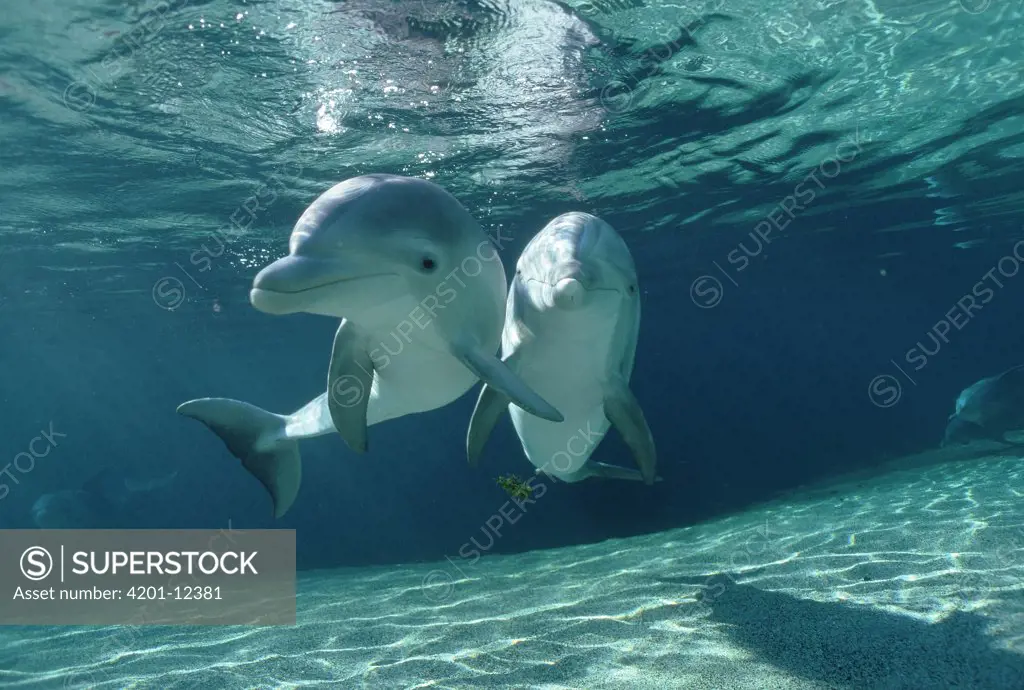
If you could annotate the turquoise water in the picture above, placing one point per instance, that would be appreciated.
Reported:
(810, 192)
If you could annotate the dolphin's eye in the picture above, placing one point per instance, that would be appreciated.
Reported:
(428, 264)
(632, 289)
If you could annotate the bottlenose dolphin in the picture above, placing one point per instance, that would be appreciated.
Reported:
(571, 327)
(988, 409)
(101, 503)
(420, 289)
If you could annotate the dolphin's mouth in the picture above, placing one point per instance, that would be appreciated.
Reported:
(568, 293)
(295, 273)
(279, 302)
(298, 283)
(318, 286)
(316, 299)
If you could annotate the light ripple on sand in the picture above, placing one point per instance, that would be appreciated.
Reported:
(909, 580)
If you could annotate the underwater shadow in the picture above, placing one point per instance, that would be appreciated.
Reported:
(852, 646)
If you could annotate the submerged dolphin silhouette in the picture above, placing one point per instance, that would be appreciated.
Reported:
(988, 409)
(101, 503)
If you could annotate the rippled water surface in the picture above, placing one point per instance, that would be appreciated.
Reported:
(129, 129)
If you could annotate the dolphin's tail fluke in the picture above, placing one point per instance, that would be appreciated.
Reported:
(257, 438)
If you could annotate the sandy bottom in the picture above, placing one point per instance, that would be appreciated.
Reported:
(913, 579)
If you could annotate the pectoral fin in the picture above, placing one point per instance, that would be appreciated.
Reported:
(623, 411)
(488, 410)
(605, 471)
(497, 375)
(349, 380)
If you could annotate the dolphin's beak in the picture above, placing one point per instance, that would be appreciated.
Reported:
(298, 283)
(568, 293)
(570, 286)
